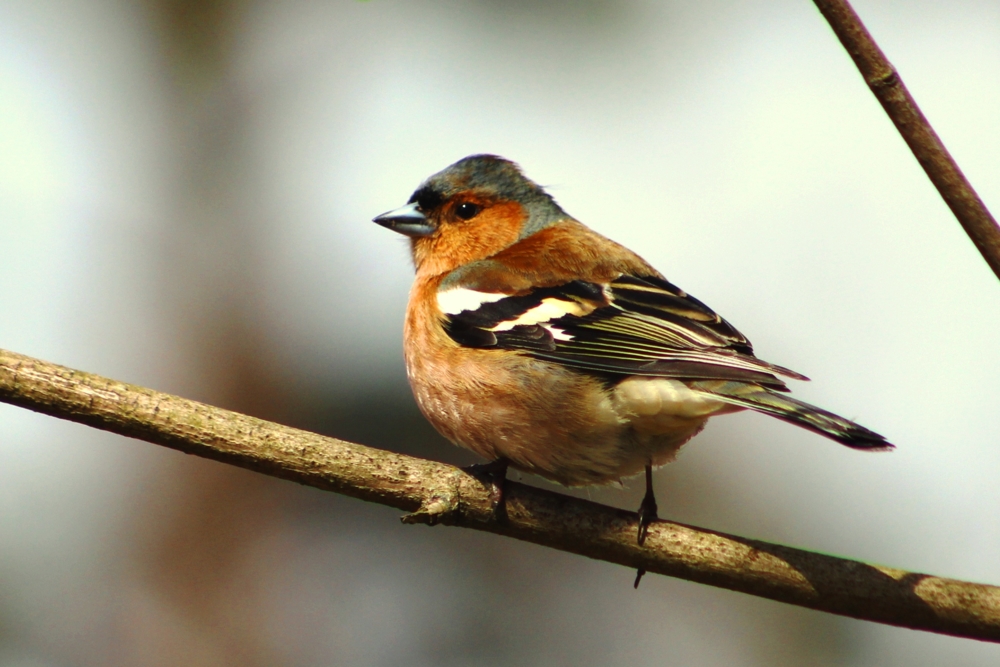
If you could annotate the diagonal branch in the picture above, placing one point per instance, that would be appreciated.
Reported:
(941, 168)
(439, 493)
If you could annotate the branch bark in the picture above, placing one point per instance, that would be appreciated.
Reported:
(438, 493)
(885, 82)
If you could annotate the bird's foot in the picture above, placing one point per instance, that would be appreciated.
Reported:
(494, 475)
(647, 509)
(647, 515)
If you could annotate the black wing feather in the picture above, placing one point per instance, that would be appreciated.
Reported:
(632, 326)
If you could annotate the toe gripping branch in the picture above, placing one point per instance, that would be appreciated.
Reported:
(494, 475)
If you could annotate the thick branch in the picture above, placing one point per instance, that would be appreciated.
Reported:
(888, 87)
(436, 492)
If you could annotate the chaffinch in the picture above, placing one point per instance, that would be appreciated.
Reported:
(536, 342)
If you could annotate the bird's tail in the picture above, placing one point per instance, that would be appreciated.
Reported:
(801, 414)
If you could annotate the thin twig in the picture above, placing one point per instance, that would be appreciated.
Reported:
(888, 87)
(438, 493)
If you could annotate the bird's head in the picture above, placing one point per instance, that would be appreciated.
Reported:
(470, 211)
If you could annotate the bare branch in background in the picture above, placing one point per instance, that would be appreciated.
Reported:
(439, 493)
(888, 87)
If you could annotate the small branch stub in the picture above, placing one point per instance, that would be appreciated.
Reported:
(443, 504)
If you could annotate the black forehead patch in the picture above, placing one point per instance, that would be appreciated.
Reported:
(427, 197)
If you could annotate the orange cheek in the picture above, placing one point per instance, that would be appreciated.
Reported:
(460, 242)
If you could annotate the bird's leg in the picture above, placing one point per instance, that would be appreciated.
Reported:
(647, 514)
(494, 474)
(647, 510)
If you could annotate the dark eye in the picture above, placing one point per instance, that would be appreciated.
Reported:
(467, 211)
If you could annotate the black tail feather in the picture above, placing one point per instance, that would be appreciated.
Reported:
(796, 412)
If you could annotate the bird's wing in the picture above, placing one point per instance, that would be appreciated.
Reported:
(629, 325)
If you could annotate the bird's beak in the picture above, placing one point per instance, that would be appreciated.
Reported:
(408, 220)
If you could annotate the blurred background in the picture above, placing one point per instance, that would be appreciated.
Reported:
(186, 189)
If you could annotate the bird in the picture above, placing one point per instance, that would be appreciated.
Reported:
(542, 345)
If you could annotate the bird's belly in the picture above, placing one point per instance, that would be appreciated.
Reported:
(552, 421)
(545, 419)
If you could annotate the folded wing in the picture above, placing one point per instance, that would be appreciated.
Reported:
(632, 325)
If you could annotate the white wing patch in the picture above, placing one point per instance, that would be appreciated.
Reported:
(548, 310)
(459, 299)
(558, 333)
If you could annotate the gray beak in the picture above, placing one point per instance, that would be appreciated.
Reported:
(408, 220)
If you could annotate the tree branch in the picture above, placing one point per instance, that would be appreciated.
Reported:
(439, 493)
(888, 87)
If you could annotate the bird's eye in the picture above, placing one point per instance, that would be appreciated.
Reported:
(467, 210)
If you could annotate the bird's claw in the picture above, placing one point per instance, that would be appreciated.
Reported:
(494, 475)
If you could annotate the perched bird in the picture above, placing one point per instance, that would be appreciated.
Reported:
(536, 342)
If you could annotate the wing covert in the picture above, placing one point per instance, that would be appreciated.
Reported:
(630, 326)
